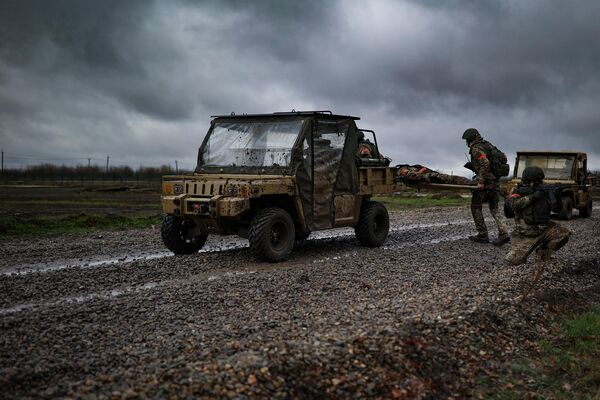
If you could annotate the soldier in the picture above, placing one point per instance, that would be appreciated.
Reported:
(487, 190)
(418, 173)
(533, 228)
(366, 149)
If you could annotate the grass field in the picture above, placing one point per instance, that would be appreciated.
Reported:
(410, 200)
(46, 210)
(567, 366)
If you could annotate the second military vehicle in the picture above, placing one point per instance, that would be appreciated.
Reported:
(566, 176)
(275, 178)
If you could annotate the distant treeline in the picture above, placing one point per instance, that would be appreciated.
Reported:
(62, 173)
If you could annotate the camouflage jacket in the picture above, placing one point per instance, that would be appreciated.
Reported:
(481, 163)
(519, 204)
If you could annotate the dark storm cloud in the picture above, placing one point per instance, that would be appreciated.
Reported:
(139, 79)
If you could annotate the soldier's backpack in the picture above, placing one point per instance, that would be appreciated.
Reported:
(498, 161)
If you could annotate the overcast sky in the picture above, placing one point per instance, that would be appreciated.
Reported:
(138, 80)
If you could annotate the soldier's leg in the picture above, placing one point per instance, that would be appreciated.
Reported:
(556, 237)
(520, 248)
(553, 238)
(477, 211)
(499, 220)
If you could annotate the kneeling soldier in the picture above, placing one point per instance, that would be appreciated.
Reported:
(533, 228)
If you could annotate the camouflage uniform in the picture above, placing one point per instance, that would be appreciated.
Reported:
(544, 235)
(490, 193)
(418, 173)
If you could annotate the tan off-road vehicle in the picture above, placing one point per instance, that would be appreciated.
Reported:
(566, 176)
(275, 178)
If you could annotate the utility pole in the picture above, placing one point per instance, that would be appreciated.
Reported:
(2, 171)
(176, 167)
(107, 158)
(89, 162)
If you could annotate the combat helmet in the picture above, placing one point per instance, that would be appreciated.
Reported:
(471, 135)
(533, 174)
(361, 136)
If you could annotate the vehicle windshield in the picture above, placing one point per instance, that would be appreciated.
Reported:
(251, 144)
(555, 167)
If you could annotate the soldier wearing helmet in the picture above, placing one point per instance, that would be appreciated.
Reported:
(487, 189)
(534, 231)
(366, 149)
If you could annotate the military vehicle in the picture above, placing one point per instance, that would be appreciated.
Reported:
(275, 178)
(566, 176)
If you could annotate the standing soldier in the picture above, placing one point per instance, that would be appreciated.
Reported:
(533, 228)
(487, 188)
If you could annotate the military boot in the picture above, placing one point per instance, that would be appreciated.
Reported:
(479, 238)
(501, 240)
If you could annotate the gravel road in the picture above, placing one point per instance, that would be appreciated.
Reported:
(112, 315)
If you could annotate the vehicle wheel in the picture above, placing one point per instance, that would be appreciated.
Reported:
(566, 211)
(373, 224)
(271, 234)
(173, 233)
(586, 212)
(508, 210)
(300, 236)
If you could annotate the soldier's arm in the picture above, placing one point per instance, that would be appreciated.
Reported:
(481, 163)
(518, 201)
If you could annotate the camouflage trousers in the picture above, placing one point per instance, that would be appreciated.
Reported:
(551, 239)
(490, 196)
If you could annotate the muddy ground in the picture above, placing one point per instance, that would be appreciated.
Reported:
(428, 315)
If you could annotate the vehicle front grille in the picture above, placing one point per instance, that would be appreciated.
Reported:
(207, 189)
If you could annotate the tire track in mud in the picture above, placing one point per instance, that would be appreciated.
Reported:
(234, 244)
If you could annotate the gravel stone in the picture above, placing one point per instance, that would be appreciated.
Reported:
(424, 316)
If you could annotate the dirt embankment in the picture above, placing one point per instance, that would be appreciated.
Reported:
(428, 315)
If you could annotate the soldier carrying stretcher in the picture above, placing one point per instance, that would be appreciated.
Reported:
(489, 165)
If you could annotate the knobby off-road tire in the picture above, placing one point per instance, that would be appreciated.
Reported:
(373, 224)
(508, 210)
(586, 212)
(172, 231)
(566, 210)
(271, 234)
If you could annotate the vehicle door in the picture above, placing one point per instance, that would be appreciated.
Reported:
(335, 176)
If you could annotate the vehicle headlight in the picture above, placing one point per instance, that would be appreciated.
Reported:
(177, 188)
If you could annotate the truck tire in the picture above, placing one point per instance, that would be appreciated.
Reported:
(586, 212)
(271, 234)
(508, 210)
(172, 231)
(566, 210)
(373, 224)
